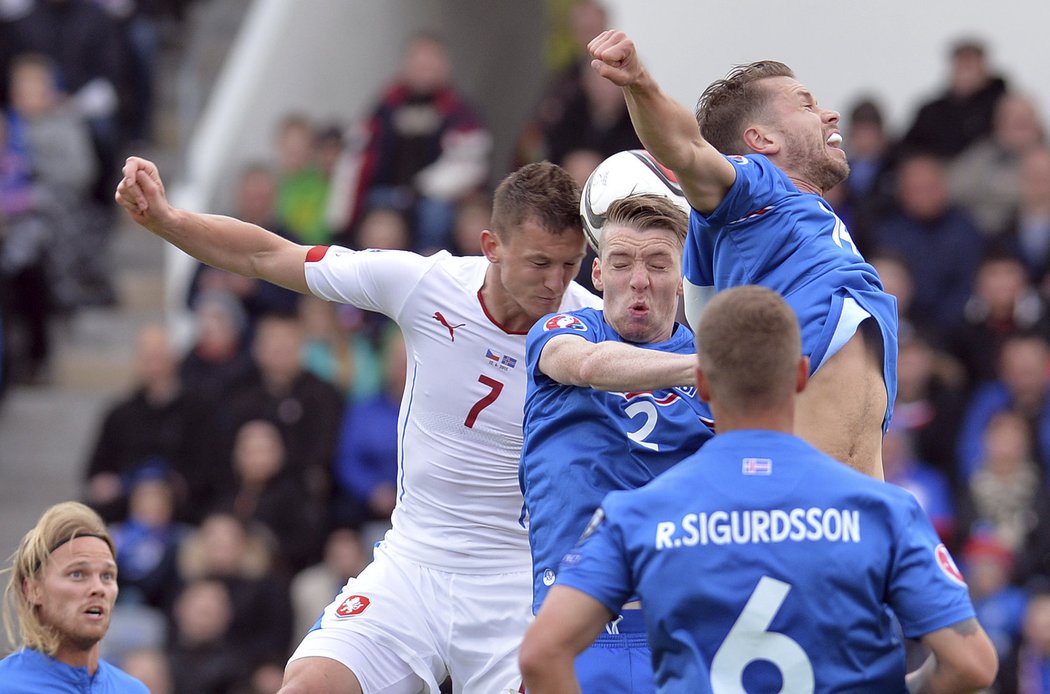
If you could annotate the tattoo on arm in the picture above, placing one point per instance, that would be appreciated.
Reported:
(967, 627)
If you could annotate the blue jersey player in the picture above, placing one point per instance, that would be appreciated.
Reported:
(753, 578)
(754, 171)
(610, 405)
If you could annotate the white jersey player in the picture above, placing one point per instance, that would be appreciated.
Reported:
(449, 591)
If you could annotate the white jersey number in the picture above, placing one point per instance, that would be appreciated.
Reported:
(647, 410)
(750, 640)
(495, 388)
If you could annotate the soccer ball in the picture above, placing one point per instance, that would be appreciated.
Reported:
(622, 174)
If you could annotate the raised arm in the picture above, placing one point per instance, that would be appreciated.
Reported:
(665, 127)
(222, 242)
(614, 366)
(963, 659)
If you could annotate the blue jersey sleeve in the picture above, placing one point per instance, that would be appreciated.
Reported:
(598, 565)
(585, 323)
(926, 590)
(758, 185)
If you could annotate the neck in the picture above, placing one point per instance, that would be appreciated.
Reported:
(76, 656)
(781, 419)
(501, 306)
(805, 186)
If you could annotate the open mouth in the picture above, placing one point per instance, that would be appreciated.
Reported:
(834, 140)
(94, 611)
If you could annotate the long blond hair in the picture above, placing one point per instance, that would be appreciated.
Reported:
(59, 524)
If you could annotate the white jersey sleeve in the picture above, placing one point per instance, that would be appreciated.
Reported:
(372, 280)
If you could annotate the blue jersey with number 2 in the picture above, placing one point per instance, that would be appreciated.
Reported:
(754, 579)
(582, 443)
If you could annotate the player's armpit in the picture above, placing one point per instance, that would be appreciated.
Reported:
(963, 660)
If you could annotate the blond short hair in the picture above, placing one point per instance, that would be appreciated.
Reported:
(59, 524)
(748, 346)
(648, 210)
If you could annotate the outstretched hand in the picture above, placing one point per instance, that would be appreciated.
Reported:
(141, 192)
(615, 58)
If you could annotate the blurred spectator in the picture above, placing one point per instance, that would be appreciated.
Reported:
(940, 242)
(148, 543)
(305, 408)
(425, 146)
(85, 43)
(1000, 606)
(1022, 388)
(337, 347)
(1005, 498)
(895, 272)
(152, 668)
(473, 214)
(266, 495)
(868, 191)
(383, 228)
(58, 148)
(593, 118)
(25, 290)
(217, 362)
(1029, 227)
(366, 460)
(313, 588)
(159, 423)
(228, 550)
(584, 20)
(962, 114)
(266, 678)
(929, 402)
(205, 656)
(928, 485)
(985, 178)
(302, 190)
(255, 203)
(1029, 672)
(1003, 304)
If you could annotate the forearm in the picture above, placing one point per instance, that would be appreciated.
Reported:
(223, 242)
(930, 678)
(555, 676)
(614, 366)
(666, 129)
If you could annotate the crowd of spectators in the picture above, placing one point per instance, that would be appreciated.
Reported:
(76, 87)
(246, 477)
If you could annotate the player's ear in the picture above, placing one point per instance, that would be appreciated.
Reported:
(703, 389)
(31, 589)
(760, 141)
(596, 275)
(802, 377)
(490, 245)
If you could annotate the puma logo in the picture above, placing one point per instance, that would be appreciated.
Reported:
(451, 328)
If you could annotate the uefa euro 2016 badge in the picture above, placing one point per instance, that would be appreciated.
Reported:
(564, 320)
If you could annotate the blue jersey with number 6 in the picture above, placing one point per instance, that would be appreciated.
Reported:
(581, 443)
(765, 231)
(756, 580)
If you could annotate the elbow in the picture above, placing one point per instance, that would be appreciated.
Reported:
(983, 667)
(531, 660)
(590, 372)
(978, 669)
